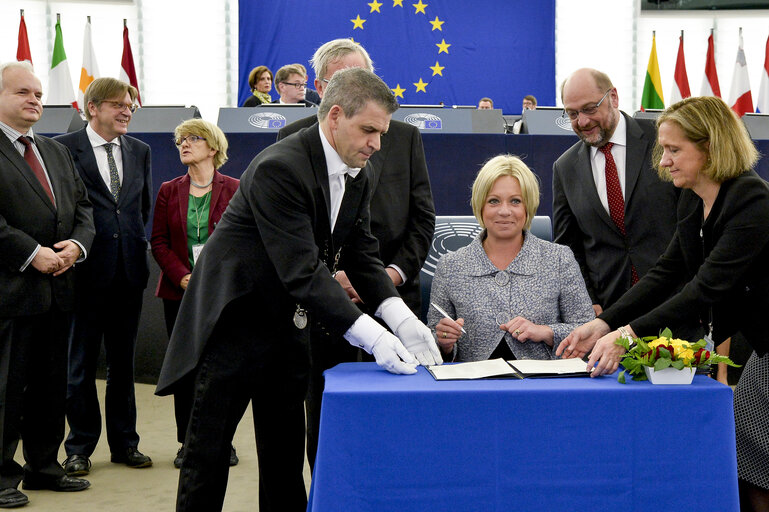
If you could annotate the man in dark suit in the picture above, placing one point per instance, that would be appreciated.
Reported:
(402, 220)
(46, 227)
(300, 212)
(609, 205)
(116, 171)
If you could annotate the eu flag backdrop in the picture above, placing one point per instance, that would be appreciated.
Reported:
(428, 52)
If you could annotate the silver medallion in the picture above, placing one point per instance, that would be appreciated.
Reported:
(300, 317)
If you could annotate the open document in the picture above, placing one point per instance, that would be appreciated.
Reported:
(517, 369)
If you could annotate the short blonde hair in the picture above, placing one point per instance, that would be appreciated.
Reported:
(497, 167)
(106, 89)
(708, 122)
(213, 134)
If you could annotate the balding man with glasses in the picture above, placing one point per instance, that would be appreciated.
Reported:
(609, 205)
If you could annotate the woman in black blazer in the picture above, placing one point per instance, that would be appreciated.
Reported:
(718, 258)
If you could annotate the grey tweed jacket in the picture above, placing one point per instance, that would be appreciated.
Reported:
(542, 284)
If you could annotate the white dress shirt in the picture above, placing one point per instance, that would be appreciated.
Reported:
(100, 152)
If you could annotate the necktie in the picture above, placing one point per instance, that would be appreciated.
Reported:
(336, 188)
(114, 177)
(37, 168)
(614, 196)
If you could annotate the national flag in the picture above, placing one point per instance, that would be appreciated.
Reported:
(22, 51)
(90, 70)
(127, 69)
(763, 91)
(740, 98)
(60, 90)
(710, 85)
(680, 78)
(652, 93)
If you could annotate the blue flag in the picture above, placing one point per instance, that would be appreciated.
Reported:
(428, 52)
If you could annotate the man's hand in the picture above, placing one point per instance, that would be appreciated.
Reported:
(341, 278)
(597, 309)
(391, 355)
(605, 355)
(69, 252)
(582, 339)
(185, 281)
(47, 261)
(418, 339)
(394, 276)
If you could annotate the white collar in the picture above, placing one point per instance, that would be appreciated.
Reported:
(618, 138)
(334, 163)
(97, 140)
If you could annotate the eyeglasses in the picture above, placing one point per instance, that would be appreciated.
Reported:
(189, 138)
(588, 111)
(298, 85)
(122, 106)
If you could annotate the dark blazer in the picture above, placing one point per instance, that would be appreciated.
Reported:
(27, 218)
(169, 228)
(725, 269)
(252, 101)
(120, 225)
(580, 221)
(402, 211)
(274, 249)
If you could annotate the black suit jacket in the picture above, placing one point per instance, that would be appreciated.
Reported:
(27, 218)
(724, 270)
(274, 248)
(402, 211)
(120, 227)
(580, 221)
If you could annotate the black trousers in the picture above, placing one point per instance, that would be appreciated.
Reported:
(109, 313)
(243, 362)
(184, 389)
(33, 383)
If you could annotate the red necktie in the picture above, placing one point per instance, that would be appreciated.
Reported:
(614, 195)
(34, 163)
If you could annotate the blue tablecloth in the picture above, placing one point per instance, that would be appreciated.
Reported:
(402, 443)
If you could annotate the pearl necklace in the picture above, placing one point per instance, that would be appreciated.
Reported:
(197, 185)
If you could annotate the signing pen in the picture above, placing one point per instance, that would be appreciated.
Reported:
(442, 312)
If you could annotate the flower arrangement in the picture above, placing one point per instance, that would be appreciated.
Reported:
(664, 351)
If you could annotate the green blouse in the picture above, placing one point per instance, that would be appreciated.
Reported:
(197, 222)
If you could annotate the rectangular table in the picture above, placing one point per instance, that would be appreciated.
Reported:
(402, 443)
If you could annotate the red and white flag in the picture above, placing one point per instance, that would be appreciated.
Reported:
(22, 51)
(680, 79)
(127, 69)
(763, 92)
(710, 85)
(740, 98)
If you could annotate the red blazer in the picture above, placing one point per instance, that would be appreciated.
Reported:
(169, 228)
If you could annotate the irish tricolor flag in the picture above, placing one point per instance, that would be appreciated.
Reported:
(652, 94)
(60, 91)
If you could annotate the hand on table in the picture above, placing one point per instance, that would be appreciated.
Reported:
(391, 355)
(418, 339)
(582, 339)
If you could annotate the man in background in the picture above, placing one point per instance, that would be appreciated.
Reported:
(116, 170)
(46, 227)
(402, 220)
(529, 103)
(485, 104)
(291, 84)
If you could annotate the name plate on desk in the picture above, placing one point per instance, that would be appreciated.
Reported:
(757, 125)
(451, 120)
(58, 119)
(165, 119)
(265, 118)
(546, 121)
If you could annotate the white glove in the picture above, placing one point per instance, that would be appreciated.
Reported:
(419, 340)
(415, 336)
(388, 352)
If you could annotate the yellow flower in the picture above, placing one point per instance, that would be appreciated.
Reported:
(686, 355)
(659, 341)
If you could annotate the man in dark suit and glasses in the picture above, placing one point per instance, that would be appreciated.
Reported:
(609, 205)
(402, 220)
(300, 213)
(116, 170)
(46, 226)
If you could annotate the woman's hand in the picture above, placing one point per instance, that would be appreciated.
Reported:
(447, 332)
(523, 330)
(582, 339)
(606, 354)
(185, 281)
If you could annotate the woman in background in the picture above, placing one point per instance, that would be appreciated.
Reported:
(516, 296)
(260, 82)
(186, 211)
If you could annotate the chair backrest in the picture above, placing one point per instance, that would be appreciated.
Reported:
(456, 231)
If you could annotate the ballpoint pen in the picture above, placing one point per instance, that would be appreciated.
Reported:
(442, 312)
